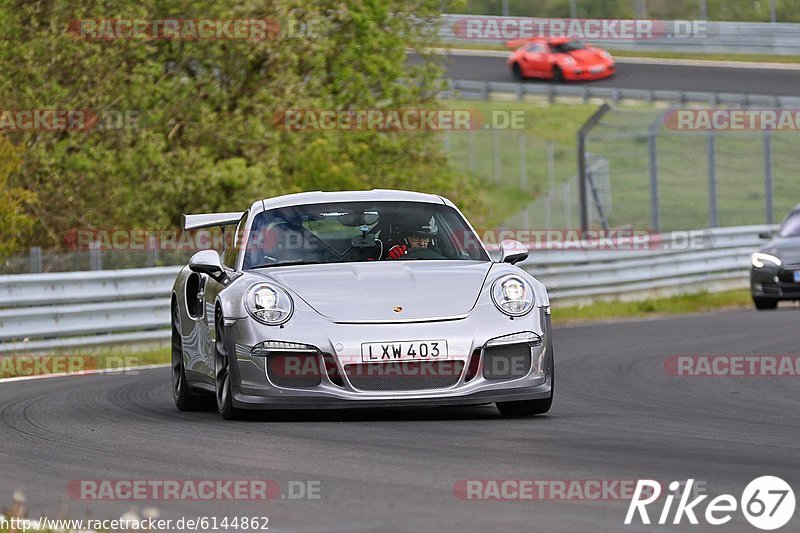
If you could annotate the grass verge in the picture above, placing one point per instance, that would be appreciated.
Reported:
(75, 361)
(673, 305)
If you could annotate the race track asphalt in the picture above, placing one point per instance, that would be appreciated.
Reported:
(649, 76)
(617, 416)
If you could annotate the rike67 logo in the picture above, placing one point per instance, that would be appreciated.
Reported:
(767, 503)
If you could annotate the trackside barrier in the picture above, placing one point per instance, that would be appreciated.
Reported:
(41, 312)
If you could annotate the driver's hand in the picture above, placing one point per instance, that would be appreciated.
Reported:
(397, 251)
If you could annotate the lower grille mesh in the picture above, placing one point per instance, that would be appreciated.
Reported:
(411, 375)
(507, 362)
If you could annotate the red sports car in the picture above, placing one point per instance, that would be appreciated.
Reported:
(559, 59)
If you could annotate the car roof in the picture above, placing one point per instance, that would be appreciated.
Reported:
(560, 40)
(375, 195)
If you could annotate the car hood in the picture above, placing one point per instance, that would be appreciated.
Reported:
(586, 56)
(386, 291)
(787, 249)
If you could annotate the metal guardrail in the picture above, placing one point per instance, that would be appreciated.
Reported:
(41, 312)
(714, 37)
(485, 90)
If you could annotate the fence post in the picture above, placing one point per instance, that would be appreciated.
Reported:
(523, 167)
(496, 154)
(712, 180)
(551, 184)
(640, 8)
(95, 256)
(152, 251)
(36, 259)
(582, 134)
(567, 205)
(473, 161)
(769, 188)
(703, 9)
(652, 145)
(548, 211)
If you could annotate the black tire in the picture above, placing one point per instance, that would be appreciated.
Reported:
(185, 398)
(222, 374)
(765, 304)
(517, 71)
(558, 74)
(531, 407)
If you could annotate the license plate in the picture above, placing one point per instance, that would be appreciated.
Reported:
(797, 276)
(597, 70)
(377, 352)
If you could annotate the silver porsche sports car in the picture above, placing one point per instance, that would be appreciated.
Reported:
(358, 299)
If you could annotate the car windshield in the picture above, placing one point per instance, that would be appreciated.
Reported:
(359, 231)
(791, 228)
(569, 46)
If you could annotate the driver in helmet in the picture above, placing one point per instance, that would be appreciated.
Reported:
(417, 235)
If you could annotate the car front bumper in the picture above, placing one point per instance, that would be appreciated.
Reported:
(586, 74)
(774, 283)
(339, 344)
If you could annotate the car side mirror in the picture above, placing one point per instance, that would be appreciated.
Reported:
(208, 262)
(767, 235)
(512, 252)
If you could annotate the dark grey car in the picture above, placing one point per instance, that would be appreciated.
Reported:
(775, 273)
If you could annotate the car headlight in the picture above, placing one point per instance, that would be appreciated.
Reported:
(605, 55)
(512, 295)
(759, 259)
(269, 304)
(568, 62)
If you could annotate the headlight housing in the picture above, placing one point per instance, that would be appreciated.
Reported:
(759, 258)
(269, 304)
(512, 295)
(568, 61)
(605, 55)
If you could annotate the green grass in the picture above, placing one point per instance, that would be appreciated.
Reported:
(84, 359)
(622, 139)
(674, 305)
(473, 152)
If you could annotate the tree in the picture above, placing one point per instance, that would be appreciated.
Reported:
(205, 139)
(15, 224)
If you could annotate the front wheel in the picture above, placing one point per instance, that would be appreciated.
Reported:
(517, 71)
(558, 75)
(222, 374)
(765, 304)
(532, 407)
(185, 398)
